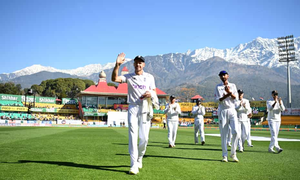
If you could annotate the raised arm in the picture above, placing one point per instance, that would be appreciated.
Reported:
(203, 110)
(115, 75)
(281, 106)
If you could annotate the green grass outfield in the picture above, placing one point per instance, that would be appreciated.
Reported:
(102, 153)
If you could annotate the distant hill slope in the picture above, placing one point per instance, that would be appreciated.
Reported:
(256, 81)
(37, 78)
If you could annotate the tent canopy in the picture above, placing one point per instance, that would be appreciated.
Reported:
(197, 97)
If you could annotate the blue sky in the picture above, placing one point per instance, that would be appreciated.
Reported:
(66, 34)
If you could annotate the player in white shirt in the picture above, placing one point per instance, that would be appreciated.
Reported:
(274, 107)
(225, 94)
(172, 110)
(140, 84)
(199, 111)
(164, 122)
(244, 112)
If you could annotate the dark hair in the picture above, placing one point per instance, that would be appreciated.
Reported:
(240, 91)
(275, 93)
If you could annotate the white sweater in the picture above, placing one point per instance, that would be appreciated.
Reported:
(172, 111)
(242, 112)
(274, 114)
(199, 111)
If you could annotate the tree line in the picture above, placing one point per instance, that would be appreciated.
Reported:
(60, 87)
(11, 88)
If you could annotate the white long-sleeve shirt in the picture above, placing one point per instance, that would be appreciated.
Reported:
(199, 111)
(172, 111)
(229, 102)
(242, 112)
(274, 114)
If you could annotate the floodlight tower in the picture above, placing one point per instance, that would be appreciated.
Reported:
(286, 51)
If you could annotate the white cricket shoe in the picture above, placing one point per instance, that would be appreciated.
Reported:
(140, 164)
(280, 150)
(271, 150)
(224, 159)
(234, 158)
(134, 170)
(229, 144)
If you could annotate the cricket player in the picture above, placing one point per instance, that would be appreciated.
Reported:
(244, 112)
(274, 108)
(199, 111)
(225, 94)
(140, 84)
(164, 122)
(172, 110)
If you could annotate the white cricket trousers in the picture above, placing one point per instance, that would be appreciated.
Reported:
(274, 129)
(172, 132)
(228, 117)
(199, 128)
(249, 140)
(229, 135)
(137, 128)
(244, 133)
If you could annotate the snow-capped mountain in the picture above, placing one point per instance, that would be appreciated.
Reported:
(260, 51)
(34, 69)
(81, 71)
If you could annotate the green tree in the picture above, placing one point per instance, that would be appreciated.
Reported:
(111, 84)
(37, 88)
(10, 88)
(63, 87)
(88, 83)
(48, 92)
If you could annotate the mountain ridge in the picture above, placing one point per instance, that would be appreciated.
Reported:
(260, 51)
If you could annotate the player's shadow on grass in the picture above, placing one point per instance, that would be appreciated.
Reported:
(173, 157)
(123, 144)
(71, 164)
(201, 149)
(252, 151)
(192, 144)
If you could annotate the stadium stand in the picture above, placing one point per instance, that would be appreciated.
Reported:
(16, 116)
(49, 117)
(287, 120)
(11, 103)
(58, 106)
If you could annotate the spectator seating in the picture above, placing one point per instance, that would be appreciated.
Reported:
(287, 120)
(11, 103)
(54, 117)
(58, 106)
(16, 116)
